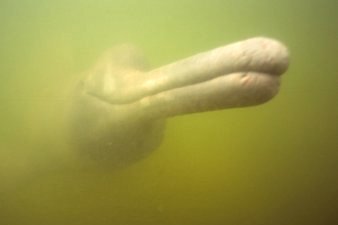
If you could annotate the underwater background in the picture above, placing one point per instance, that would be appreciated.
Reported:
(272, 164)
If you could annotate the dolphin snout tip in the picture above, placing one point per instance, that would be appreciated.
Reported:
(278, 53)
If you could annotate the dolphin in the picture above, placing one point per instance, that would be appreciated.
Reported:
(119, 108)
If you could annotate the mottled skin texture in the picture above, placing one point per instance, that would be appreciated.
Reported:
(119, 109)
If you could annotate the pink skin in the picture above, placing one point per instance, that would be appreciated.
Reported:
(125, 108)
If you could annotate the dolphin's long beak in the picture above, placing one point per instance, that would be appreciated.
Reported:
(237, 75)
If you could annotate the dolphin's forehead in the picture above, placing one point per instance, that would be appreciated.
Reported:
(125, 56)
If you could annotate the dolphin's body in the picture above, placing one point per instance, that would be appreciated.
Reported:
(119, 109)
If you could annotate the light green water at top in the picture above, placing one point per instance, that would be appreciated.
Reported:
(272, 164)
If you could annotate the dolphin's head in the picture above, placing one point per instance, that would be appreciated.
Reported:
(124, 105)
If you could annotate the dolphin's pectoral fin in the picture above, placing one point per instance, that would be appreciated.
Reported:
(119, 109)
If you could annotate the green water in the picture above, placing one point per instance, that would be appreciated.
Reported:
(272, 164)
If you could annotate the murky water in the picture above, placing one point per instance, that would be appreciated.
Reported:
(272, 164)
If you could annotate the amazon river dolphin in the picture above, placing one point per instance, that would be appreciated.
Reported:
(119, 108)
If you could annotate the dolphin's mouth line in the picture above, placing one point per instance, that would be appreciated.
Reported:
(244, 77)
